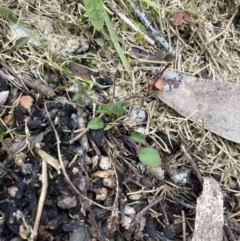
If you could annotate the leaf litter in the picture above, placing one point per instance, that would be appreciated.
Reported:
(160, 207)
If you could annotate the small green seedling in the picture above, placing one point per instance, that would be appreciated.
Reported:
(83, 87)
(21, 42)
(136, 137)
(147, 155)
(95, 124)
(115, 109)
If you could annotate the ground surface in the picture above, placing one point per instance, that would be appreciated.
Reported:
(96, 188)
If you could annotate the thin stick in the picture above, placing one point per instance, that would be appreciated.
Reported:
(184, 225)
(193, 164)
(129, 22)
(78, 136)
(63, 167)
(164, 214)
(144, 210)
(141, 15)
(41, 200)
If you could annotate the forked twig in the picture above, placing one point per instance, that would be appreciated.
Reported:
(140, 214)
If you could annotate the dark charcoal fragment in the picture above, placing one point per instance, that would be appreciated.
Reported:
(172, 145)
(150, 228)
(70, 227)
(97, 135)
(3, 155)
(67, 121)
(52, 105)
(218, 24)
(36, 111)
(52, 211)
(106, 81)
(19, 116)
(21, 189)
(169, 233)
(100, 213)
(55, 222)
(35, 126)
(140, 53)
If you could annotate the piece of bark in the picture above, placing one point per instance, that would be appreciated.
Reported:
(38, 86)
(215, 103)
(209, 213)
(30, 142)
(81, 71)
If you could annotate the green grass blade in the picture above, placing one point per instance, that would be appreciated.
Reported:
(116, 44)
(156, 6)
(195, 7)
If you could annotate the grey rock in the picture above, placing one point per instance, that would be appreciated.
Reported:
(80, 234)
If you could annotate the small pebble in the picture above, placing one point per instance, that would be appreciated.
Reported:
(141, 115)
(27, 168)
(66, 202)
(80, 234)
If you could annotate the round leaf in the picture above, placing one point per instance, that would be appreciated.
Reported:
(149, 156)
(95, 124)
(136, 137)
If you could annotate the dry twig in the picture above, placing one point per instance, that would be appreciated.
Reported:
(41, 199)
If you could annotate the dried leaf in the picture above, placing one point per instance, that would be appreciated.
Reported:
(209, 213)
(158, 85)
(178, 19)
(215, 103)
(188, 17)
(81, 71)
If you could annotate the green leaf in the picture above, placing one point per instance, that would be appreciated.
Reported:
(195, 7)
(105, 110)
(116, 44)
(2, 134)
(138, 138)
(100, 42)
(63, 25)
(149, 156)
(21, 42)
(77, 96)
(4, 144)
(95, 124)
(116, 109)
(95, 11)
